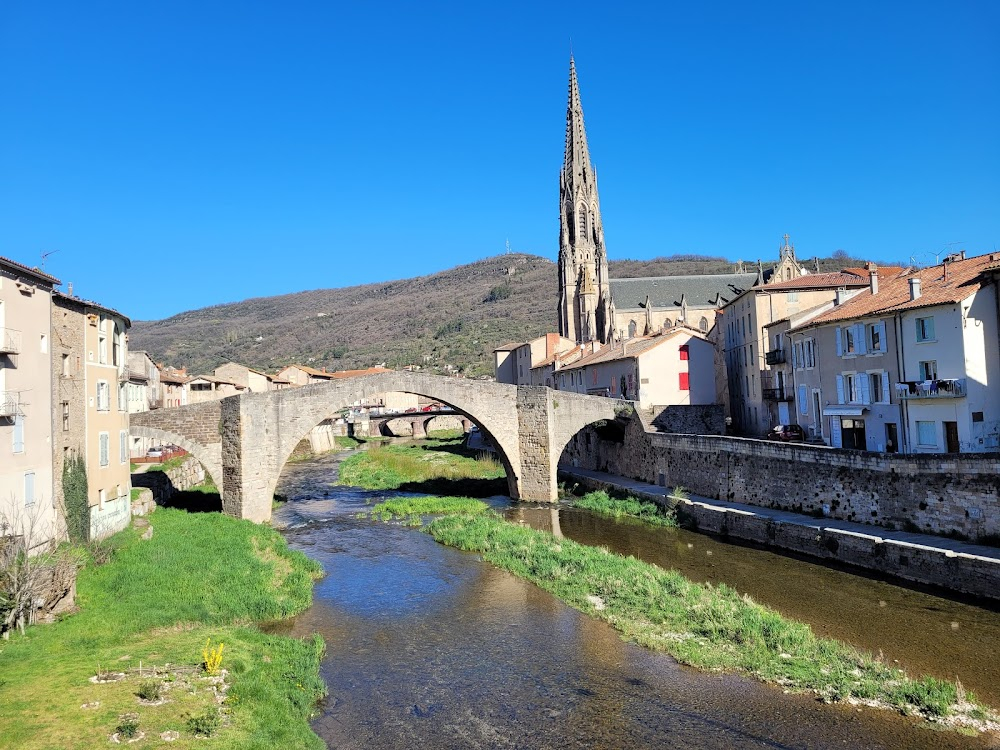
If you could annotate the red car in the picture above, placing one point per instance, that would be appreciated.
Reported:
(787, 433)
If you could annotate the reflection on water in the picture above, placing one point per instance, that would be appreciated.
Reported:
(429, 647)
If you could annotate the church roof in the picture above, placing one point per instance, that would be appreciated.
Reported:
(666, 291)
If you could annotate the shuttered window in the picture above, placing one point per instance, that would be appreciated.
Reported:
(105, 448)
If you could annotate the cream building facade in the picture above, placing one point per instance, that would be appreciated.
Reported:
(90, 379)
(26, 475)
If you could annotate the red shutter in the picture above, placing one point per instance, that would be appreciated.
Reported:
(684, 351)
(684, 382)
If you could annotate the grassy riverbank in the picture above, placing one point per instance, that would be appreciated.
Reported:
(442, 467)
(626, 507)
(155, 603)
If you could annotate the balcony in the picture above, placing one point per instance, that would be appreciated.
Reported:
(10, 341)
(775, 357)
(777, 394)
(9, 404)
(931, 389)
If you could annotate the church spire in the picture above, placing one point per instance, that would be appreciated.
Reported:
(576, 162)
(585, 308)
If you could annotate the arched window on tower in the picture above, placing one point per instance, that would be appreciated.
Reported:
(703, 325)
(631, 329)
(582, 217)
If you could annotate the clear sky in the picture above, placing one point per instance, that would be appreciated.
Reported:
(178, 154)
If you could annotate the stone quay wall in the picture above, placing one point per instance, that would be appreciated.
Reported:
(164, 484)
(953, 495)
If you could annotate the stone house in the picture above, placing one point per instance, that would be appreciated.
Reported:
(212, 388)
(26, 475)
(394, 401)
(173, 387)
(674, 368)
(90, 387)
(297, 375)
(252, 380)
(513, 363)
(745, 337)
(913, 362)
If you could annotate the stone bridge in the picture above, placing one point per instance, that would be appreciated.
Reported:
(419, 421)
(244, 441)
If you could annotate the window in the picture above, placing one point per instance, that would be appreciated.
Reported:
(105, 448)
(798, 354)
(875, 333)
(684, 350)
(925, 329)
(848, 341)
(851, 388)
(631, 329)
(121, 397)
(102, 496)
(65, 416)
(18, 433)
(65, 365)
(684, 382)
(43, 344)
(810, 352)
(875, 387)
(29, 488)
(123, 446)
(102, 342)
(977, 416)
(703, 325)
(928, 370)
(926, 434)
(103, 396)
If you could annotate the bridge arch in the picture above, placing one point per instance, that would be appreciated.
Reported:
(210, 456)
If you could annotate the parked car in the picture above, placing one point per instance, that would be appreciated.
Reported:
(787, 433)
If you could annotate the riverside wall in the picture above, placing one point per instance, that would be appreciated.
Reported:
(949, 495)
(164, 484)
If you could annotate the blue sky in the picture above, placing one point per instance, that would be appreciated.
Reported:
(183, 154)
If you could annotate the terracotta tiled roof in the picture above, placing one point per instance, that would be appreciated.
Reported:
(21, 268)
(630, 348)
(90, 303)
(355, 373)
(963, 278)
(508, 347)
(166, 377)
(816, 281)
(884, 272)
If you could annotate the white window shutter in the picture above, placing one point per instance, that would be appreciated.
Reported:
(840, 343)
(886, 398)
(865, 389)
(836, 439)
(881, 338)
(803, 400)
(840, 389)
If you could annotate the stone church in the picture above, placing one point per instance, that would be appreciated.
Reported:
(595, 307)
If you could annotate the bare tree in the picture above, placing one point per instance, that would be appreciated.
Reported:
(30, 566)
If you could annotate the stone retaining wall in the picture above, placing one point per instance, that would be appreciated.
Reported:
(164, 484)
(957, 495)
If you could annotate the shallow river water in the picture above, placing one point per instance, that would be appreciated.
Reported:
(430, 647)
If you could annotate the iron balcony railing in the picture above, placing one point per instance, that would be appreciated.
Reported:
(9, 404)
(775, 357)
(778, 394)
(940, 388)
(10, 341)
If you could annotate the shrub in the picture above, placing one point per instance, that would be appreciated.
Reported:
(77, 506)
(204, 724)
(150, 690)
(128, 726)
(212, 657)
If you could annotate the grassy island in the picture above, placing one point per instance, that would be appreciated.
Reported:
(711, 627)
(131, 660)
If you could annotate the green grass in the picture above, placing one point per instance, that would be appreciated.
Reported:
(629, 507)
(440, 467)
(201, 576)
(710, 627)
(134, 494)
(415, 507)
(171, 463)
(344, 441)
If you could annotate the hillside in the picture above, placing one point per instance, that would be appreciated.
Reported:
(450, 319)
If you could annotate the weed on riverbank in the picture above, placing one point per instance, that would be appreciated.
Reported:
(710, 627)
(154, 604)
(442, 467)
(628, 507)
(406, 508)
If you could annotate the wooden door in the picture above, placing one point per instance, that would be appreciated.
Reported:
(951, 436)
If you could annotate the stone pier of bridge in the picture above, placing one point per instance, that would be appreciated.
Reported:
(244, 441)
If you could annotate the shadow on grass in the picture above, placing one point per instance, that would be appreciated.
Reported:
(458, 487)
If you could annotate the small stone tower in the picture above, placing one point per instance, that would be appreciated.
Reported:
(585, 308)
(788, 265)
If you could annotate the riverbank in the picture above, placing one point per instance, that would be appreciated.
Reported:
(710, 627)
(143, 622)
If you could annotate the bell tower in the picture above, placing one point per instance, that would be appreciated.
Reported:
(585, 307)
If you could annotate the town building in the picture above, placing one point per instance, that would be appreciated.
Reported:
(297, 375)
(211, 388)
(173, 387)
(911, 364)
(90, 421)
(514, 362)
(27, 500)
(675, 368)
(254, 381)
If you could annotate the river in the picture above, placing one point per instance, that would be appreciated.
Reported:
(430, 647)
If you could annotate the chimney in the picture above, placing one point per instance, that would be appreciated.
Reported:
(841, 296)
(915, 287)
(69, 289)
(873, 279)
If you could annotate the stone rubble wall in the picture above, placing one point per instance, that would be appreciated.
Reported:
(954, 495)
(165, 484)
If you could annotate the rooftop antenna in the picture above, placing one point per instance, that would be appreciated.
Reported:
(46, 255)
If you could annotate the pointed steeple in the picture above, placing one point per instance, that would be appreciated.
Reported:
(576, 162)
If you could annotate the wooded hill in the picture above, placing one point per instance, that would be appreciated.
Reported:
(448, 321)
